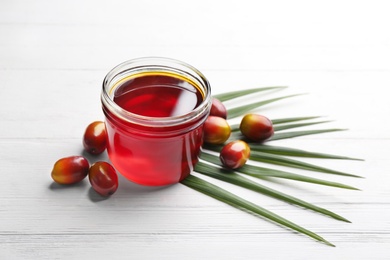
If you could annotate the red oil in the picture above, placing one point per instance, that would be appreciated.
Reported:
(152, 155)
(157, 96)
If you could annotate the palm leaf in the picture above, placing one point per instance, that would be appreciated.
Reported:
(279, 127)
(237, 135)
(237, 202)
(233, 178)
(296, 152)
(234, 94)
(283, 161)
(267, 154)
(238, 111)
(266, 172)
(262, 172)
(292, 134)
(292, 119)
(280, 160)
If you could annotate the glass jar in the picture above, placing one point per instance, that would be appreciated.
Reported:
(155, 109)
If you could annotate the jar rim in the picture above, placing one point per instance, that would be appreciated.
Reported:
(152, 64)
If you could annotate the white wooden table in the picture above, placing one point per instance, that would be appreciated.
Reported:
(54, 55)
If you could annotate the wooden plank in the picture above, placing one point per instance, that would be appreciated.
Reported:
(54, 56)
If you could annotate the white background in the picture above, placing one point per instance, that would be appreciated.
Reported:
(54, 56)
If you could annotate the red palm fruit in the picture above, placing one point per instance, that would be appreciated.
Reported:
(256, 127)
(70, 170)
(216, 130)
(95, 138)
(235, 154)
(218, 109)
(103, 178)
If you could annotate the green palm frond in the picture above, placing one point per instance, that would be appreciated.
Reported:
(288, 134)
(262, 172)
(283, 161)
(238, 202)
(296, 152)
(239, 111)
(239, 93)
(211, 166)
(234, 178)
(292, 134)
(282, 126)
(292, 119)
